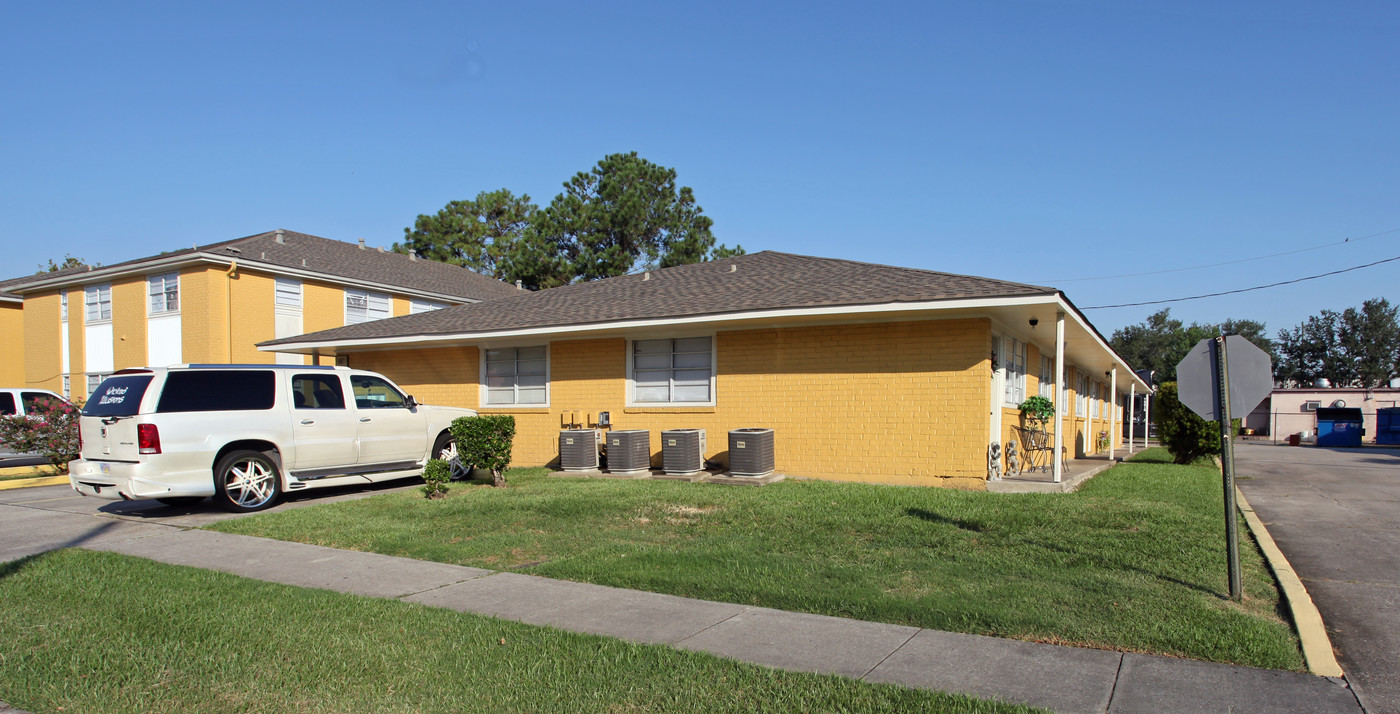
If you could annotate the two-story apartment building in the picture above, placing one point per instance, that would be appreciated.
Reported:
(214, 303)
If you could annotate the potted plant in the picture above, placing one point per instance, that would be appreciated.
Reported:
(1038, 411)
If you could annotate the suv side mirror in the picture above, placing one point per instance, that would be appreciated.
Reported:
(411, 402)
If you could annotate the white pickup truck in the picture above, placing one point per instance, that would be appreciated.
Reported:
(246, 434)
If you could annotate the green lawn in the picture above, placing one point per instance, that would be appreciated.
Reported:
(1134, 561)
(99, 632)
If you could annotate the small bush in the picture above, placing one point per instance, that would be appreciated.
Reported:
(1185, 434)
(436, 474)
(51, 430)
(485, 443)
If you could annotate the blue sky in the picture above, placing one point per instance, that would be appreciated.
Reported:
(1031, 140)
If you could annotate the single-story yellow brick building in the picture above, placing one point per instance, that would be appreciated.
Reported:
(865, 372)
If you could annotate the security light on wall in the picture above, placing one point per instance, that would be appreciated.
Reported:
(1034, 321)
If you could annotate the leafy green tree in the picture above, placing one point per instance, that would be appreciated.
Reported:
(476, 234)
(68, 262)
(1355, 347)
(1160, 342)
(624, 214)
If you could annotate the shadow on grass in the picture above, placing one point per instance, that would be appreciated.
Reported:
(1105, 564)
(974, 526)
(11, 567)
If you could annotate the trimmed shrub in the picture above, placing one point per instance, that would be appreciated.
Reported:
(1185, 434)
(51, 430)
(485, 443)
(436, 474)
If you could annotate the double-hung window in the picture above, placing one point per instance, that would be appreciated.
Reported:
(1047, 377)
(362, 306)
(517, 376)
(287, 295)
(673, 371)
(1014, 361)
(63, 306)
(1081, 396)
(97, 299)
(165, 293)
(416, 306)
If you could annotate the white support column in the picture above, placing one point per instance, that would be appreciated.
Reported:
(1059, 395)
(1114, 428)
(1146, 417)
(1132, 415)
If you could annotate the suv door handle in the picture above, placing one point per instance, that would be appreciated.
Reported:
(364, 419)
(308, 421)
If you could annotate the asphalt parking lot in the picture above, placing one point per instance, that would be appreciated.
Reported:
(1335, 513)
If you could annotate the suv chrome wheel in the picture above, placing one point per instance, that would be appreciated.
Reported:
(247, 481)
(446, 450)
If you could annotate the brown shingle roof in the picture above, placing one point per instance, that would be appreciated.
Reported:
(344, 260)
(761, 281)
(11, 283)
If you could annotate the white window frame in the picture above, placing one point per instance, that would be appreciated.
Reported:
(485, 391)
(1013, 360)
(371, 301)
(1047, 378)
(631, 369)
(280, 289)
(93, 302)
(67, 387)
(163, 281)
(94, 380)
(1094, 409)
(63, 306)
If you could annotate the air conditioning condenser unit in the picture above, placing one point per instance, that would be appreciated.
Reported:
(578, 449)
(683, 451)
(629, 451)
(750, 452)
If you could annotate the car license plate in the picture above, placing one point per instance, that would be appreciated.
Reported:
(106, 468)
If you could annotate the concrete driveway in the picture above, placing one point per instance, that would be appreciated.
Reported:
(1336, 514)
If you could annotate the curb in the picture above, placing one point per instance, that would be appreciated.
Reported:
(31, 482)
(1317, 646)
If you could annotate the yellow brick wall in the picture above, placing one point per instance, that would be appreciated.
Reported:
(252, 314)
(128, 322)
(204, 315)
(323, 306)
(901, 402)
(43, 351)
(12, 345)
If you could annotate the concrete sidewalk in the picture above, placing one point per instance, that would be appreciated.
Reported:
(1063, 679)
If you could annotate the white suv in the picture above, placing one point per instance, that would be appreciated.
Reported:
(246, 434)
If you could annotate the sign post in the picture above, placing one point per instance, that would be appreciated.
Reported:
(1204, 385)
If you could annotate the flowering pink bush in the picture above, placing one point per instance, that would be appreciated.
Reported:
(51, 429)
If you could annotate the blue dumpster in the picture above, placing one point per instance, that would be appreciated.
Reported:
(1388, 426)
(1339, 426)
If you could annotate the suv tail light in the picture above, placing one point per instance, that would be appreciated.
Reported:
(147, 439)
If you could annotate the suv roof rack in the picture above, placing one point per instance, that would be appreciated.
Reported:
(259, 366)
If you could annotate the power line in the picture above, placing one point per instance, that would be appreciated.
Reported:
(1245, 290)
(1216, 265)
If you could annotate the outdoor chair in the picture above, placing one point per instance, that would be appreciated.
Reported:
(1037, 447)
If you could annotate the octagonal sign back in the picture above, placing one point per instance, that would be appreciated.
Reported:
(1251, 377)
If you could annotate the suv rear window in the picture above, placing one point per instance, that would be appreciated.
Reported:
(117, 396)
(7, 404)
(217, 391)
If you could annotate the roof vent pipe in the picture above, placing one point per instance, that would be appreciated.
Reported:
(519, 285)
(733, 268)
(646, 275)
(412, 255)
(381, 249)
(362, 244)
(281, 238)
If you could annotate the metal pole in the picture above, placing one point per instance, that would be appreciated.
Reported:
(1227, 467)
